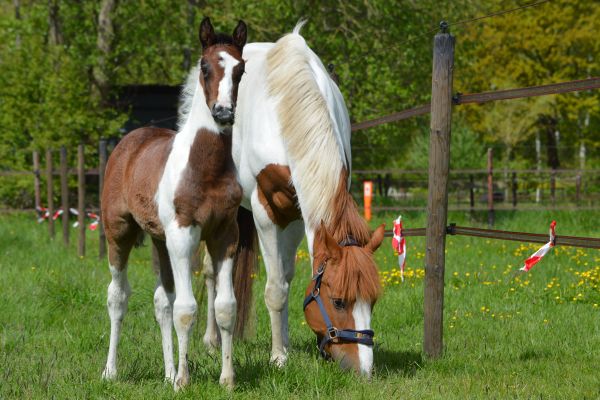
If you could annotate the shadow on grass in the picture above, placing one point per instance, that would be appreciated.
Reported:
(390, 362)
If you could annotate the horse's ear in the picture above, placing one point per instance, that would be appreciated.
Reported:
(376, 238)
(240, 34)
(324, 243)
(207, 33)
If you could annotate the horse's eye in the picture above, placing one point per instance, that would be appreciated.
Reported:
(204, 68)
(339, 304)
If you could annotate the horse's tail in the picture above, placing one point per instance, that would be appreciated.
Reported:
(245, 266)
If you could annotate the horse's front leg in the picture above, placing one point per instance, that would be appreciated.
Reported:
(222, 251)
(211, 336)
(182, 242)
(277, 288)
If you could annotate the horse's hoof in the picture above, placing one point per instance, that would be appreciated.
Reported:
(170, 376)
(109, 374)
(279, 360)
(227, 381)
(211, 342)
(181, 382)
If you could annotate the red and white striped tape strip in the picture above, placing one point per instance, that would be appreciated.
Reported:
(399, 245)
(538, 255)
(44, 214)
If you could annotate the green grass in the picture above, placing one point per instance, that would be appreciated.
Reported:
(535, 337)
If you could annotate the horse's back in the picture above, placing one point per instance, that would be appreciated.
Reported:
(132, 175)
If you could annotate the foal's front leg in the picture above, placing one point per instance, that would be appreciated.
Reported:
(182, 242)
(211, 336)
(222, 250)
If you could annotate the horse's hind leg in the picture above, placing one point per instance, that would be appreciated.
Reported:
(121, 236)
(222, 250)
(211, 336)
(163, 306)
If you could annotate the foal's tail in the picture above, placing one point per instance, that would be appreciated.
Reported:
(245, 267)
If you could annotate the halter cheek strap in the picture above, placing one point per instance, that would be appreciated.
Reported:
(333, 334)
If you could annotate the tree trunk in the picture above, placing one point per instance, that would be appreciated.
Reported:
(55, 37)
(17, 5)
(104, 43)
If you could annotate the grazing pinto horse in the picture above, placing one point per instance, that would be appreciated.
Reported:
(180, 188)
(291, 145)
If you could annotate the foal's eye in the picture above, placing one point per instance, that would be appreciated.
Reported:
(204, 68)
(339, 304)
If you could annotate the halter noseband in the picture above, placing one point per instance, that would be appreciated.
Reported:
(333, 334)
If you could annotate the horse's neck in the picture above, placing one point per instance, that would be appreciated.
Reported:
(346, 221)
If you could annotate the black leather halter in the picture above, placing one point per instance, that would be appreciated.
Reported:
(333, 334)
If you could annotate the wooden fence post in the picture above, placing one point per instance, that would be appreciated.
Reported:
(36, 182)
(490, 186)
(578, 188)
(437, 202)
(514, 189)
(50, 192)
(472, 193)
(81, 199)
(64, 193)
(102, 153)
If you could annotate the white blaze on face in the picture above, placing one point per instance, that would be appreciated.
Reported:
(227, 62)
(362, 320)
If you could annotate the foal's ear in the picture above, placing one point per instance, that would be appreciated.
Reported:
(239, 34)
(207, 33)
(376, 238)
(324, 243)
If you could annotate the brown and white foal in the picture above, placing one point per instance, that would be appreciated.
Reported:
(180, 188)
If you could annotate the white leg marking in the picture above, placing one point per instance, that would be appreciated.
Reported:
(163, 310)
(362, 320)
(118, 295)
(181, 243)
(276, 288)
(211, 337)
(225, 314)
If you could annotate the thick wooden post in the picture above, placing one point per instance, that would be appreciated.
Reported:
(102, 155)
(81, 199)
(437, 203)
(36, 182)
(64, 193)
(490, 186)
(50, 192)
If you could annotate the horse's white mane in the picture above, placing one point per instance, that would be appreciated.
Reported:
(314, 124)
(187, 95)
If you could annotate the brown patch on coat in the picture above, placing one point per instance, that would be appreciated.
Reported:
(277, 194)
(208, 193)
(131, 180)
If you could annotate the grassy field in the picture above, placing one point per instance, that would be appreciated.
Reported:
(537, 336)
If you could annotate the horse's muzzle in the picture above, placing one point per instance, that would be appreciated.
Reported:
(223, 115)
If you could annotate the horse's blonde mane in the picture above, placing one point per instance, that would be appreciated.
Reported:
(187, 95)
(306, 126)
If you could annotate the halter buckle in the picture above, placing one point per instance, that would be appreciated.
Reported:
(316, 292)
(332, 332)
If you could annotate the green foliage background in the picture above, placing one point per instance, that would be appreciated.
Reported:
(381, 50)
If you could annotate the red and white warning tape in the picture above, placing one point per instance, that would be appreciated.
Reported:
(538, 255)
(44, 214)
(399, 245)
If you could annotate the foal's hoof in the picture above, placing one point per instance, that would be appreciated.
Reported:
(181, 382)
(227, 381)
(109, 374)
(279, 360)
(211, 342)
